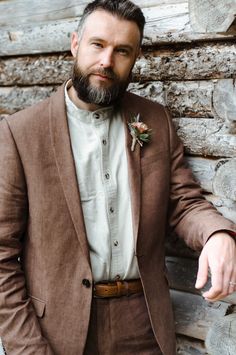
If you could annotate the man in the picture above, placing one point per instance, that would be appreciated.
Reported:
(83, 217)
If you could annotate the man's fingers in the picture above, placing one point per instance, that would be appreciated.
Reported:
(218, 288)
(202, 274)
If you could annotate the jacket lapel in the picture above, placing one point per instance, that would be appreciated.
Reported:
(134, 173)
(59, 132)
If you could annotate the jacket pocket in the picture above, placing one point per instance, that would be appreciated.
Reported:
(39, 306)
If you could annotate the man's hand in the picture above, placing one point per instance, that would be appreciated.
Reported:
(218, 256)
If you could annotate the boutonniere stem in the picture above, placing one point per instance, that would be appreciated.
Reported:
(139, 131)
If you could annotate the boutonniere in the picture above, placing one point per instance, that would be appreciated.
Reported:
(139, 132)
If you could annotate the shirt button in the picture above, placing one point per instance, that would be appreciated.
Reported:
(107, 176)
(116, 243)
(96, 115)
(86, 283)
(104, 142)
(112, 210)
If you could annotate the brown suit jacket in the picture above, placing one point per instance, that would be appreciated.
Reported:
(45, 274)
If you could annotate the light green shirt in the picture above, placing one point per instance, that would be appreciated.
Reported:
(98, 145)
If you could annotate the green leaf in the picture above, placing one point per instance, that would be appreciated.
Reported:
(144, 136)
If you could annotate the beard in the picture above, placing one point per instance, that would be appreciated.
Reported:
(99, 96)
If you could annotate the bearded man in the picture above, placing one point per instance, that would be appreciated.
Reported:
(83, 216)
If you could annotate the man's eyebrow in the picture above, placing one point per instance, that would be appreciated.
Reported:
(126, 46)
(96, 39)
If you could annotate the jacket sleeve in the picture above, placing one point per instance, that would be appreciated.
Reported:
(192, 217)
(19, 327)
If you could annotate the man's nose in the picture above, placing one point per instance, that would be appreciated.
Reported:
(107, 58)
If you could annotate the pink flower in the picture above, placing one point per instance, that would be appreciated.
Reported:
(140, 126)
(139, 131)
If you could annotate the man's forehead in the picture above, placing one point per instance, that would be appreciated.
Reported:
(100, 23)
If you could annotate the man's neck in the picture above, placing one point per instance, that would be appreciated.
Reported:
(79, 103)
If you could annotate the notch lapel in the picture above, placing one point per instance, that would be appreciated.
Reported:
(60, 137)
(134, 172)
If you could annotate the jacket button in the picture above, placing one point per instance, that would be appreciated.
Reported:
(86, 283)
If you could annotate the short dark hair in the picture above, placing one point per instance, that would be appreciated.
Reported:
(123, 9)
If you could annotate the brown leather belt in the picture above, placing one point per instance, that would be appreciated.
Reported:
(117, 288)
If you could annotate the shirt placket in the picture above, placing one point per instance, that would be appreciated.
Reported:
(116, 269)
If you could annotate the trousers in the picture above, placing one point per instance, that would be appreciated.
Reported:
(120, 326)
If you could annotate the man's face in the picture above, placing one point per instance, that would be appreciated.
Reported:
(104, 58)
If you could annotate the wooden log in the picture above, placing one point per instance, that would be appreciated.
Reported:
(203, 170)
(204, 137)
(226, 108)
(182, 273)
(189, 346)
(166, 23)
(36, 70)
(208, 16)
(29, 11)
(215, 175)
(45, 10)
(193, 315)
(13, 99)
(224, 182)
(182, 98)
(191, 99)
(201, 136)
(194, 99)
(187, 63)
(221, 337)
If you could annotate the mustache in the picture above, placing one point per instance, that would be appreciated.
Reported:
(108, 72)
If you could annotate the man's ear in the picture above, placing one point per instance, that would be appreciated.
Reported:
(74, 44)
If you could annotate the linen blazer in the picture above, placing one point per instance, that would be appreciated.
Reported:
(45, 273)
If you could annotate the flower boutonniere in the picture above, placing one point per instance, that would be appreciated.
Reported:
(139, 132)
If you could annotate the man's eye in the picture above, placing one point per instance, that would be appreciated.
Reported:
(97, 45)
(122, 51)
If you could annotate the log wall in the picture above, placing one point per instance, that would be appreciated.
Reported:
(188, 63)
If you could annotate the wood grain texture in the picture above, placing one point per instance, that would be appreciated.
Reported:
(224, 181)
(221, 337)
(182, 98)
(182, 274)
(201, 136)
(226, 108)
(189, 346)
(49, 31)
(13, 99)
(212, 16)
(216, 176)
(204, 137)
(199, 62)
(193, 315)
(208, 61)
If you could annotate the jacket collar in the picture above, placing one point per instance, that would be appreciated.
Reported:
(60, 137)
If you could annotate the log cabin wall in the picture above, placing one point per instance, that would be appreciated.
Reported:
(189, 64)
